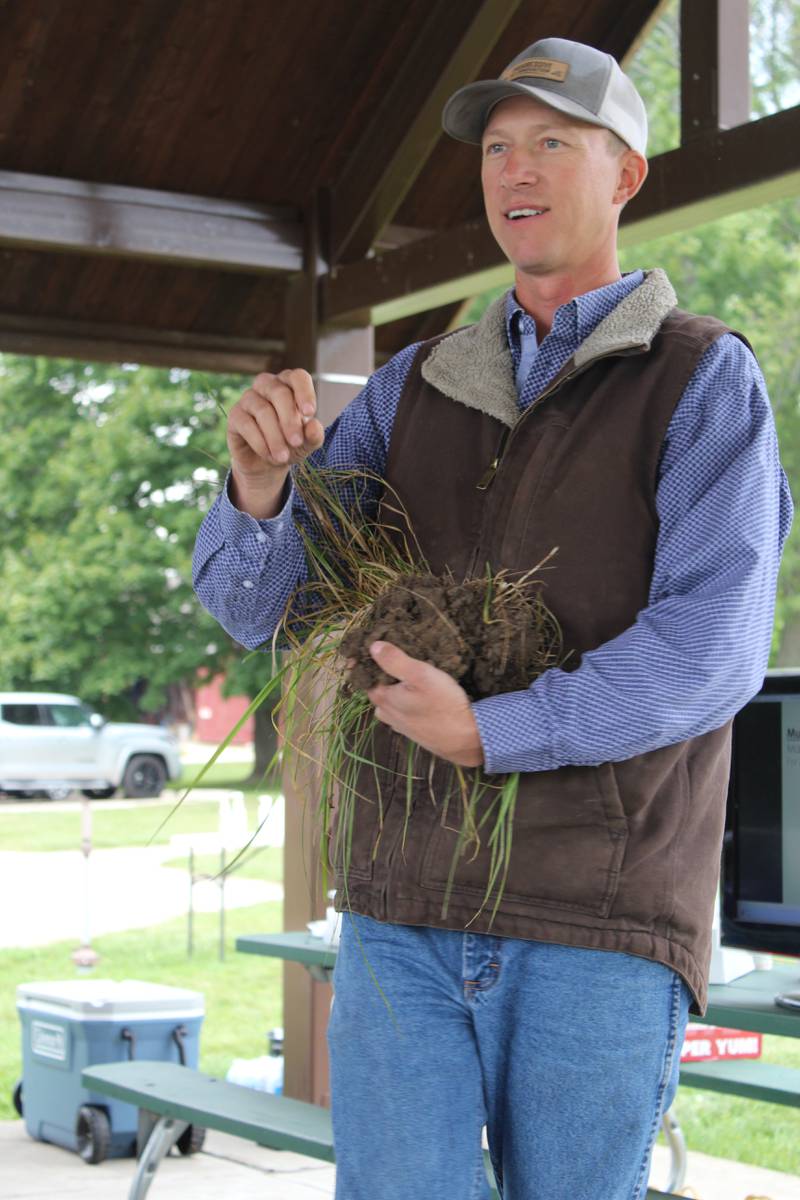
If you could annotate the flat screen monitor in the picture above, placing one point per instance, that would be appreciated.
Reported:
(761, 851)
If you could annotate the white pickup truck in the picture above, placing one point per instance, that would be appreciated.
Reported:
(55, 744)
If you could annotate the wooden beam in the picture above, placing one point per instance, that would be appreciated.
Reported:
(302, 293)
(444, 267)
(715, 66)
(638, 32)
(448, 51)
(97, 342)
(733, 80)
(723, 172)
(42, 213)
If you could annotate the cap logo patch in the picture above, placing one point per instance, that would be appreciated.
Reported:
(537, 68)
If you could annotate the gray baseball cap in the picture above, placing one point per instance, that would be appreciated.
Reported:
(569, 76)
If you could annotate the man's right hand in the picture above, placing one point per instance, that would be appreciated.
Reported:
(270, 427)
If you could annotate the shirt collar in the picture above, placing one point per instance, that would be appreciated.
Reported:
(575, 320)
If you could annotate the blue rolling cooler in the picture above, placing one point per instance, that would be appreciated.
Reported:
(69, 1025)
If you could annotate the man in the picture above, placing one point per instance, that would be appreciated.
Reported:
(584, 411)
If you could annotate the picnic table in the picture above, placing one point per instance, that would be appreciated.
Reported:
(747, 1004)
(171, 1097)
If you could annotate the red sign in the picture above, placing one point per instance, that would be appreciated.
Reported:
(712, 1043)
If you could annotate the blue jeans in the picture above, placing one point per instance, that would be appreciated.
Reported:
(568, 1056)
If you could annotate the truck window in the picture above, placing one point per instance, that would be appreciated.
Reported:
(23, 714)
(68, 716)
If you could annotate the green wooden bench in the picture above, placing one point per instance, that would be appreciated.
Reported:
(171, 1098)
(754, 1080)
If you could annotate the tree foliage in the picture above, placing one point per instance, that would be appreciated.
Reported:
(745, 268)
(106, 470)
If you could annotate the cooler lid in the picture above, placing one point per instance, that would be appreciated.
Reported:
(109, 998)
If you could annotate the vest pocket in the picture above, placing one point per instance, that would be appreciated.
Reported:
(359, 837)
(568, 843)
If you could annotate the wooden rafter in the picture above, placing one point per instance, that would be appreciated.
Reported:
(711, 176)
(407, 122)
(100, 342)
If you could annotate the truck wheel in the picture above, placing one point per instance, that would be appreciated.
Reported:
(16, 1097)
(191, 1140)
(145, 775)
(98, 793)
(93, 1132)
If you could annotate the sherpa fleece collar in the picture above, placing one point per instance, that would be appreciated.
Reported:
(474, 365)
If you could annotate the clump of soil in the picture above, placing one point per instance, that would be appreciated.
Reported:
(492, 635)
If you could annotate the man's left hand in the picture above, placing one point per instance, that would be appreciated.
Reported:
(426, 705)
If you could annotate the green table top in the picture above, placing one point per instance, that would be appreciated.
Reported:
(747, 1003)
(295, 947)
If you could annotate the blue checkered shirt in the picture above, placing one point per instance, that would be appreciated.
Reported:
(693, 656)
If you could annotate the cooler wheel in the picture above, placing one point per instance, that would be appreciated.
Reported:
(93, 1132)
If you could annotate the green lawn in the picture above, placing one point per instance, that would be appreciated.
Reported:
(767, 1135)
(55, 829)
(242, 994)
(219, 775)
(243, 1002)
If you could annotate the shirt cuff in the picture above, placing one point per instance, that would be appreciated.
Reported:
(513, 734)
(239, 527)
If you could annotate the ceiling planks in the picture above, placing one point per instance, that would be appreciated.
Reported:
(263, 104)
(406, 123)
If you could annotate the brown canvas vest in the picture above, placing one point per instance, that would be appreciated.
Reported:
(623, 856)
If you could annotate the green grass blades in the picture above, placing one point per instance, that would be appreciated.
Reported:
(360, 549)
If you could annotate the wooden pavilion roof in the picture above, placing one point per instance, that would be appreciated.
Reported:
(168, 168)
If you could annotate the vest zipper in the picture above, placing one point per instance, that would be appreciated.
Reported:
(487, 478)
(488, 475)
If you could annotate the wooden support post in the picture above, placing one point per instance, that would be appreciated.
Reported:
(330, 354)
(715, 66)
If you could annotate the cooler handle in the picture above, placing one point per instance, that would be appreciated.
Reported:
(179, 1035)
(129, 1036)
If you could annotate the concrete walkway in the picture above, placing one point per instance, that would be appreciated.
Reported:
(227, 1169)
(42, 895)
(129, 888)
(231, 1169)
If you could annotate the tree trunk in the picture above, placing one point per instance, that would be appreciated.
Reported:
(789, 651)
(265, 745)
